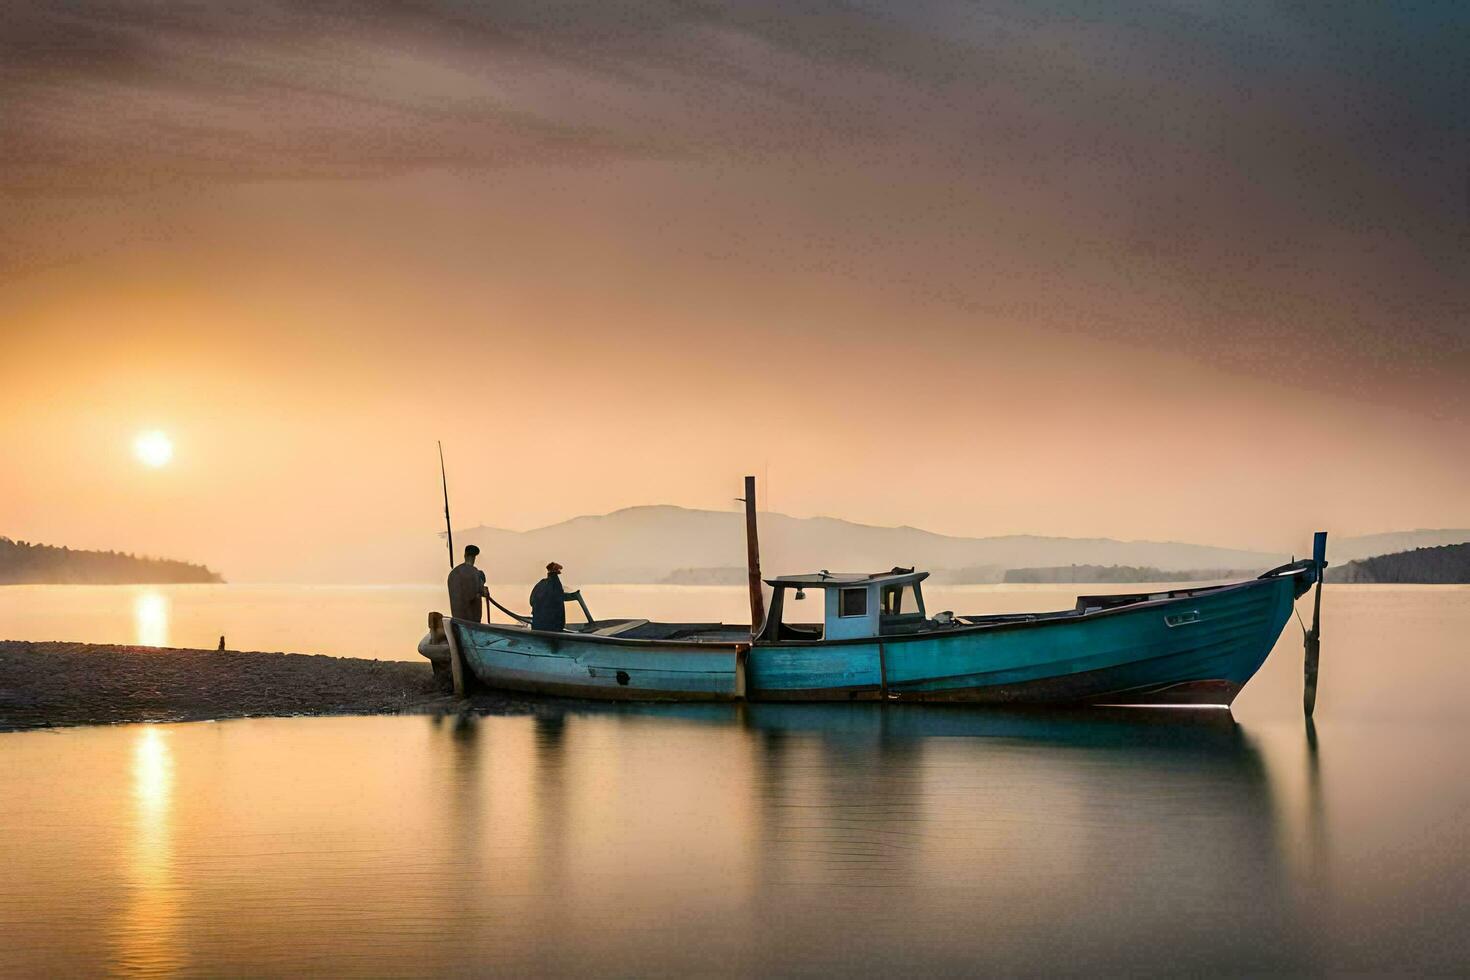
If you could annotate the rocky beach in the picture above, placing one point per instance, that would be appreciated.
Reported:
(45, 685)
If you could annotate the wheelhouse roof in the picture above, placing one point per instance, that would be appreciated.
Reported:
(834, 580)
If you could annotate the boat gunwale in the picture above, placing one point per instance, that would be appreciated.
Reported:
(1044, 619)
(506, 629)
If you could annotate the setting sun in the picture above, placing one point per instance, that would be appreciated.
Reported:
(153, 448)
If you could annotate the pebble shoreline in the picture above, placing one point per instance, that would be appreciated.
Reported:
(48, 685)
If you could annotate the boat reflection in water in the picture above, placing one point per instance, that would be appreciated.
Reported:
(882, 835)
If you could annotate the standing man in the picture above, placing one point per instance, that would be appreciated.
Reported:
(547, 611)
(467, 587)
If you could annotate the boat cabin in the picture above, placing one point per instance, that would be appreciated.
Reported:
(856, 605)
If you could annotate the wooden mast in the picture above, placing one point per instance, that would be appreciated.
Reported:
(753, 562)
(448, 527)
(457, 667)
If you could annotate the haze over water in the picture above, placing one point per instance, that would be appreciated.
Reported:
(643, 840)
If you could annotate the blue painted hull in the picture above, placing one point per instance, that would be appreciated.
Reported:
(1217, 642)
(1198, 648)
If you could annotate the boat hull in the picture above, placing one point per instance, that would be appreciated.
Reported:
(1195, 649)
(604, 668)
(1192, 649)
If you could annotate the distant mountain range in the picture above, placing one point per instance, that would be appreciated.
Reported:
(681, 546)
(663, 543)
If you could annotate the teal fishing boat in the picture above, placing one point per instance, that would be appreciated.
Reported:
(878, 641)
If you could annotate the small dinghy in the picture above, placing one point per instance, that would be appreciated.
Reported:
(879, 642)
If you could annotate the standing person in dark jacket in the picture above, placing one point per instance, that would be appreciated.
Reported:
(467, 587)
(547, 611)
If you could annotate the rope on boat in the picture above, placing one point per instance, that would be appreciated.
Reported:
(513, 615)
(527, 619)
(1300, 564)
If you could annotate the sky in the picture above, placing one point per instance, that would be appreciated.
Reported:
(1167, 270)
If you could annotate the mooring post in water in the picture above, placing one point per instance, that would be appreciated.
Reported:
(1314, 636)
(753, 561)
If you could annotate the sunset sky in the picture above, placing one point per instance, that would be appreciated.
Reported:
(1172, 270)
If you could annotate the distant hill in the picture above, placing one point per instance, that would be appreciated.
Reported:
(22, 563)
(1447, 564)
(649, 544)
(1123, 573)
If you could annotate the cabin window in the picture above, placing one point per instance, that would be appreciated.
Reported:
(852, 602)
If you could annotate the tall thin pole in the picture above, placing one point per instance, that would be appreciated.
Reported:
(1314, 638)
(456, 658)
(448, 527)
(753, 561)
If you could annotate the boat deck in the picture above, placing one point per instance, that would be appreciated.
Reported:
(643, 629)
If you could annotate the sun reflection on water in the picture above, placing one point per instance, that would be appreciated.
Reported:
(150, 619)
(147, 941)
(153, 780)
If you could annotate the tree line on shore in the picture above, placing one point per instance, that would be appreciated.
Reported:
(1445, 565)
(23, 563)
(1119, 573)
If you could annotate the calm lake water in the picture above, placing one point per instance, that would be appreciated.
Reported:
(746, 839)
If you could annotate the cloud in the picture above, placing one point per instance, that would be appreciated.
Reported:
(120, 94)
(1266, 181)
(1145, 93)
